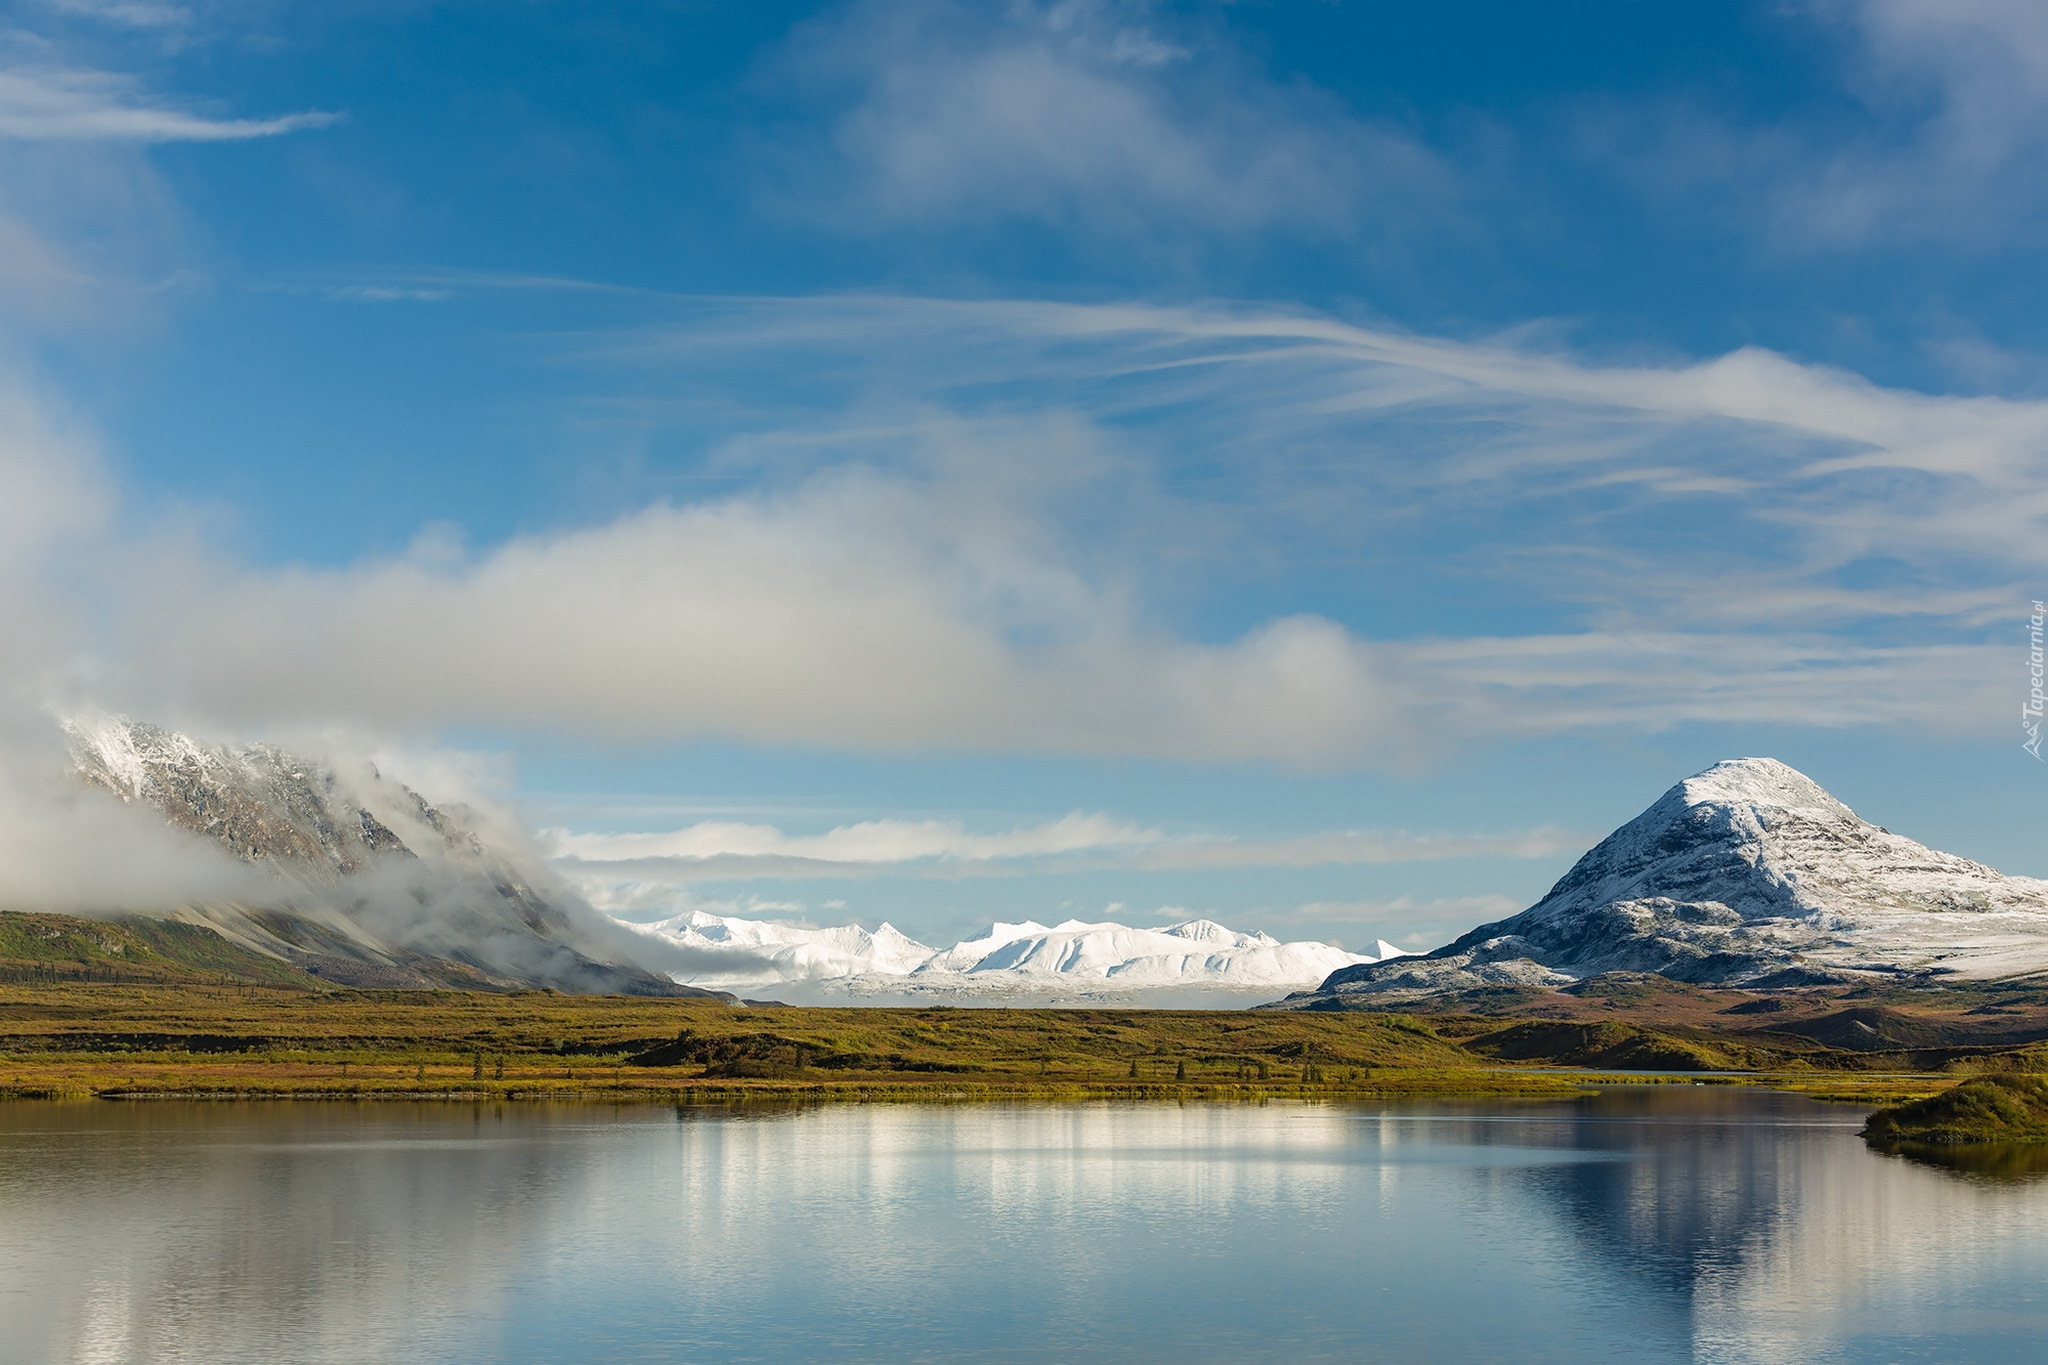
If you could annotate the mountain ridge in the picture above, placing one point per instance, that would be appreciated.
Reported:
(361, 881)
(1075, 960)
(1748, 873)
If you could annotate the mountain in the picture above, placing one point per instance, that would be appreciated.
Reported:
(745, 953)
(359, 880)
(1746, 874)
(47, 948)
(1193, 963)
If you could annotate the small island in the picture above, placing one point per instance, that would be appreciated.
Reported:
(1988, 1109)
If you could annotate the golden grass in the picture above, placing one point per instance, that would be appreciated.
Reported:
(138, 1041)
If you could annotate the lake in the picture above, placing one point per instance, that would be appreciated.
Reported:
(1647, 1223)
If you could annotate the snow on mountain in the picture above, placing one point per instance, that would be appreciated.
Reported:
(364, 881)
(1748, 873)
(1013, 963)
(746, 953)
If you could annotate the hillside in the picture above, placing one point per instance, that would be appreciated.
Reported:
(358, 879)
(1991, 1109)
(54, 948)
(1747, 874)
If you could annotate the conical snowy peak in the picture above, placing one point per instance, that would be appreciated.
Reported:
(1760, 782)
(1748, 872)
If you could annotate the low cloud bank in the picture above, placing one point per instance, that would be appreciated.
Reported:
(722, 850)
(833, 616)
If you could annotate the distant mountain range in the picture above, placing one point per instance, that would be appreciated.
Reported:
(362, 881)
(1747, 874)
(1029, 963)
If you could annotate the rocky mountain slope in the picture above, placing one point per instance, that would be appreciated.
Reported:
(365, 882)
(1192, 963)
(1746, 874)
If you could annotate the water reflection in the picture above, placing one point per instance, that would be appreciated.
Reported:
(2000, 1162)
(1697, 1223)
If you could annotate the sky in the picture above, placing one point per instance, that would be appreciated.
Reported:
(1317, 466)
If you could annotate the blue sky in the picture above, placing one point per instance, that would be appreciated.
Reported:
(1315, 465)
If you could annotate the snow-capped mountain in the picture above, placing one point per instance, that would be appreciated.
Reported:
(1748, 873)
(747, 953)
(366, 883)
(1012, 963)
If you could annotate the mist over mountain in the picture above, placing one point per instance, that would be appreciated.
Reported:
(1748, 874)
(357, 878)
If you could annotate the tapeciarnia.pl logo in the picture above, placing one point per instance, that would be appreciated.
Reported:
(2030, 714)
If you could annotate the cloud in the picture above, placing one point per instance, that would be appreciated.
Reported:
(724, 850)
(1738, 539)
(857, 611)
(58, 505)
(1075, 115)
(869, 841)
(1958, 93)
(67, 849)
(141, 14)
(1931, 136)
(90, 234)
(43, 103)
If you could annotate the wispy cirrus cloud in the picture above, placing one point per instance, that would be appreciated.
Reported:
(62, 104)
(1740, 538)
(1632, 546)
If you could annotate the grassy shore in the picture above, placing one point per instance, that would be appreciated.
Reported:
(134, 1041)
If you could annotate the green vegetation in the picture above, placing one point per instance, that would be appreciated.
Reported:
(140, 1007)
(54, 948)
(1619, 1046)
(2005, 1109)
(137, 1040)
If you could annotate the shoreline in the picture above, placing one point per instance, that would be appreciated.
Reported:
(1480, 1083)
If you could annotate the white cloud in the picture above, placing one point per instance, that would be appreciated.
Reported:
(1078, 115)
(858, 612)
(722, 850)
(56, 503)
(1740, 539)
(142, 14)
(1958, 90)
(1945, 119)
(43, 103)
(869, 841)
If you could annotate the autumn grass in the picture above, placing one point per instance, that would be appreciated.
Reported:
(133, 1041)
(2007, 1109)
(138, 1041)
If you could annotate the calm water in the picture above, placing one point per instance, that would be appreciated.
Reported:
(1697, 1223)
